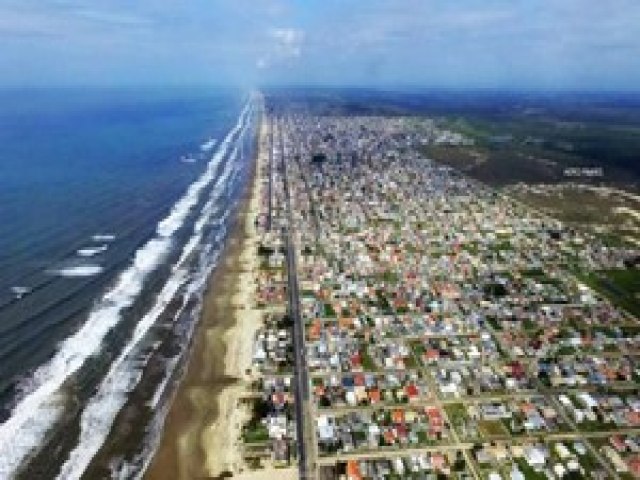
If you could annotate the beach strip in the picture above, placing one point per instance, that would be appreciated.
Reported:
(201, 436)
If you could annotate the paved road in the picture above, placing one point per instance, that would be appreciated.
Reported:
(464, 446)
(270, 127)
(306, 459)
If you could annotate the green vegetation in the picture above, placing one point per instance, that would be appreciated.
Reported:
(596, 426)
(494, 323)
(255, 433)
(513, 146)
(495, 290)
(471, 247)
(329, 311)
(502, 246)
(367, 362)
(588, 461)
(264, 251)
(456, 412)
(528, 472)
(630, 330)
(492, 428)
(620, 286)
(410, 362)
(417, 348)
(536, 273)
(566, 350)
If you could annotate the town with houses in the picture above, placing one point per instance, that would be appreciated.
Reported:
(419, 324)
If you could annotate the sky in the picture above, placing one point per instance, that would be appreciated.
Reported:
(516, 44)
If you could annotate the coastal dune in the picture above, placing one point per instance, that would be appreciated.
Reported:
(202, 429)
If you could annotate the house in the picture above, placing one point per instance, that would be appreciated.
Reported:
(353, 470)
(562, 451)
(634, 465)
(559, 470)
(397, 416)
(491, 411)
(326, 431)
(438, 461)
(374, 396)
(280, 448)
(516, 474)
(412, 392)
(617, 441)
(535, 457)
(615, 459)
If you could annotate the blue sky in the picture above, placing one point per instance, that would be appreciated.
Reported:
(548, 44)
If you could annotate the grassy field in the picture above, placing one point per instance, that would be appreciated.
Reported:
(611, 214)
(620, 286)
(517, 147)
(492, 428)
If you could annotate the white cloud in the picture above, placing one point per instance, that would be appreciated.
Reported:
(288, 41)
(284, 44)
(29, 20)
(115, 18)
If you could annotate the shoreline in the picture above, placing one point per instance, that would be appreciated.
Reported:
(200, 437)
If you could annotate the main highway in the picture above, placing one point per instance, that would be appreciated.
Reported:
(304, 418)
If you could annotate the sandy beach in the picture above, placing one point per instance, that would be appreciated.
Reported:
(202, 429)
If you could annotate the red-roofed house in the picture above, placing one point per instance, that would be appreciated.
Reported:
(412, 392)
(634, 465)
(353, 470)
(397, 416)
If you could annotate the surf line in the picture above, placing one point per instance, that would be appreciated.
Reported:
(36, 413)
(125, 373)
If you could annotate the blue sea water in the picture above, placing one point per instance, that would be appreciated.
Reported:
(86, 175)
(77, 163)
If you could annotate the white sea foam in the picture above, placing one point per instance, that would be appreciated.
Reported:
(135, 469)
(208, 145)
(92, 251)
(124, 374)
(20, 292)
(157, 395)
(181, 209)
(37, 412)
(103, 237)
(81, 270)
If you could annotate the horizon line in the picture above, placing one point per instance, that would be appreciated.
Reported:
(391, 88)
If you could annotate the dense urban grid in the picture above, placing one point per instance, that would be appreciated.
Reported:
(418, 324)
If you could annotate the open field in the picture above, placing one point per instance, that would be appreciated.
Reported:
(611, 213)
(621, 286)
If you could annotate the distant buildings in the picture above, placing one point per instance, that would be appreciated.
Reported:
(446, 333)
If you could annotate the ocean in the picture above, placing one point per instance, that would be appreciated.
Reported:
(114, 207)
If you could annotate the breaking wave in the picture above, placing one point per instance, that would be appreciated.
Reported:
(126, 370)
(103, 237)
(208, 145)
(36, 413)
(91, 251)
(80, 270)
